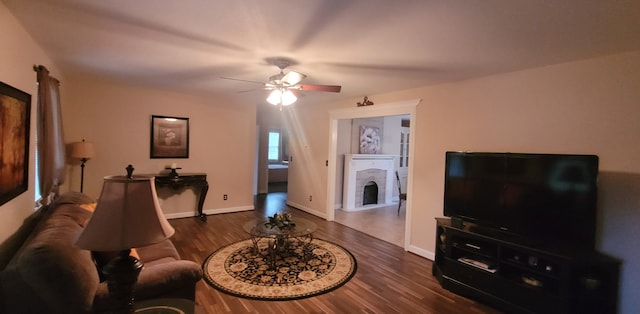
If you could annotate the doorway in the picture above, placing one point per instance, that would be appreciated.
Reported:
(278, 158)
(272, 151)
(334, 184)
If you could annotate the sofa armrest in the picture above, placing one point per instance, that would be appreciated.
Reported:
(165, 279)
(176, 279)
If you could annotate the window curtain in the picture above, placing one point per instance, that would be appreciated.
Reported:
(50, 138)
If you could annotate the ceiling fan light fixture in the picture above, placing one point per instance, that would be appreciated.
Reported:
(288, 98)
(275, 97)
(278, 97)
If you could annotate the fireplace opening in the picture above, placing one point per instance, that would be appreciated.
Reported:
(370, 195)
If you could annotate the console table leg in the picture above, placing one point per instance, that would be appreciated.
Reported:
(203, 194)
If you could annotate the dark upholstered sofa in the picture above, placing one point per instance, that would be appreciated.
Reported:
(42, 271)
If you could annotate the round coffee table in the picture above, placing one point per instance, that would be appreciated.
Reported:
(278, 239)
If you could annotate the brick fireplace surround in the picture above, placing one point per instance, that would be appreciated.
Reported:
(362, 169)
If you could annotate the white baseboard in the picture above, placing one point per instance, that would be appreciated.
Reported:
(307, 209)
(180, 215)
(228, 210)
(420, 252)
(209, 212)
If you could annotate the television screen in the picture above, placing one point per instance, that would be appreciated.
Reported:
(548, 197)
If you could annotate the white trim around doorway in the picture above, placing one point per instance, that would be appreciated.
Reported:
(387, 109)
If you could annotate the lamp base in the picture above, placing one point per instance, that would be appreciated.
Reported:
(84, 161)
(121, 275)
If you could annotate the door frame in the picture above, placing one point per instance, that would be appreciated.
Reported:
(407, 107)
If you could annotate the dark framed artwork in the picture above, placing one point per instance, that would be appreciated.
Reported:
(169, 137)
(15, 116)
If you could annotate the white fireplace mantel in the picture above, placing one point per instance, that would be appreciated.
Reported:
(353, 186)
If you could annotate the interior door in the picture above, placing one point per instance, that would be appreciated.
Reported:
(403, 162)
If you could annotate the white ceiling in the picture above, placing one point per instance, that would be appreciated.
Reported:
(367, 46)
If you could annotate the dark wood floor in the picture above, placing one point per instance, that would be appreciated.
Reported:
(388, 279)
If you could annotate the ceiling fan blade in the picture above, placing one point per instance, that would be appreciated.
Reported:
(241, 80)
(251, 90)
(320, 88)
(293, 78)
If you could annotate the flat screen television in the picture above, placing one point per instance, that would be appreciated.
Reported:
(548, 198)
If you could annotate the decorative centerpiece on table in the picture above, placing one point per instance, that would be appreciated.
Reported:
(281, 221)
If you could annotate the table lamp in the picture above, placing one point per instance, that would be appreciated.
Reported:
(128, 215)
(83, 151)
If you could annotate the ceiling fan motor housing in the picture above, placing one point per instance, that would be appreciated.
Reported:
(277, 79)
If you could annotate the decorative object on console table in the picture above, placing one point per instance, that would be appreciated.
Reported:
(127, 215)
(178, 181)
(15, 106)
(169, 137)
(173, 168)
(83, 151)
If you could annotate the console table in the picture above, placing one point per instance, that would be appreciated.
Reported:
(180, 180)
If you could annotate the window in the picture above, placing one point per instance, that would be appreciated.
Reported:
(274, 146)
(278, 146)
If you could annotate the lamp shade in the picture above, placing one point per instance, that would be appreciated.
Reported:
(127, 215)
(83, 150)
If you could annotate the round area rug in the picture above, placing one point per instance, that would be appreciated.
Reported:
(238, 270)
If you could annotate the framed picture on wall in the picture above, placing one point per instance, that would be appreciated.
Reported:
(169, 137)
(369, 140)
(15, 113)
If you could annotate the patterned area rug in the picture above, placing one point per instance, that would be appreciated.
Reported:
(238, 270)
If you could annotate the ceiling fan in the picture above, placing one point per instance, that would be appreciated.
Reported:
(282, 84)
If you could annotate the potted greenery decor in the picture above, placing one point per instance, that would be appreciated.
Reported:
(280, 221)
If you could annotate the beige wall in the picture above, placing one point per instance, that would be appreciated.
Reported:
(588, 106)
(116, 116)
(582, 107)
(18, 54)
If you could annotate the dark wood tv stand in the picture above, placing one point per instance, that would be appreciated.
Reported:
(518, 278)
